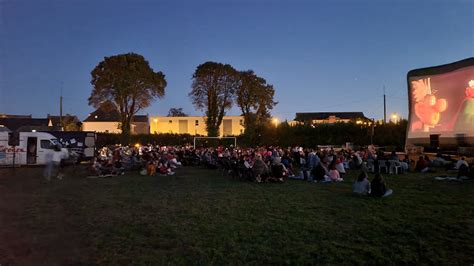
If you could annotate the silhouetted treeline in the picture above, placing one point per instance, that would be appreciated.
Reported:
(284, 135)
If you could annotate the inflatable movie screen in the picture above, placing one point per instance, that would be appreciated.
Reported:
(441, 105)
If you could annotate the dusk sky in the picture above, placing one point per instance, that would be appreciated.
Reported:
(319, 55)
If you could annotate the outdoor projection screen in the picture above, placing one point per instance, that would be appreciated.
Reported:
(441, 105)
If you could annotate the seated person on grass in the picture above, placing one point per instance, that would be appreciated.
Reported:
(362, 185)
(102, 168)
(173, 161)
(378, 188)
(259, 168)
(460, 162)
(406, 163)
(464, 171)
(288, 163)
(319, 173)
(356, 161)
(279, 171)
(422, 165)
(165, 169)
(340, 165)
(333, 173)
(118, 169)
(151, 168)
(439, 161)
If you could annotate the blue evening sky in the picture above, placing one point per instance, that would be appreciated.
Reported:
(319, 55)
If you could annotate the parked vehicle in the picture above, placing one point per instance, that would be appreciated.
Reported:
(31, 149)
(81, 144)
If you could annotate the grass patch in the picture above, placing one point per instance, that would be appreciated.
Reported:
(200, 217)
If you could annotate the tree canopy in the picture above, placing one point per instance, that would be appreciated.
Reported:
(255, 100)
(213, 88)
(129, 83)
(176, 112)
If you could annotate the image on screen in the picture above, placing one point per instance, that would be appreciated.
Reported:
(442, 104)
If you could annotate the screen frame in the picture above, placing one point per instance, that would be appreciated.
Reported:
(430, 71)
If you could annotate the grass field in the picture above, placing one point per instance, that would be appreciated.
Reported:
(200, 217)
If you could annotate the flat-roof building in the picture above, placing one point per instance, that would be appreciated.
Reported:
(195, 125)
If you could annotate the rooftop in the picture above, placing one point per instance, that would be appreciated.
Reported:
(25, 124)
(101, 115)
(325, 115)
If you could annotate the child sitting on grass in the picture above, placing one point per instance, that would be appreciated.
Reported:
(378, 188)
(361, 185)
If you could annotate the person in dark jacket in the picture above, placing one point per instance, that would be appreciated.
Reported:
(422, 165)
(378, 188)
(319, 173)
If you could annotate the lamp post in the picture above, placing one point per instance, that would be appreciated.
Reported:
(275, 121)
(372, 131)
(395, 118)
(156, 124)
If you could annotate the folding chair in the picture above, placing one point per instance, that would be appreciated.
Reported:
(395, 167)
(370, 165)
(383, 164)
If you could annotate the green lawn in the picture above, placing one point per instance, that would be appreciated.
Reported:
(200, 217)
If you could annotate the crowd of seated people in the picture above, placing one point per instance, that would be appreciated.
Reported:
(148, 160)
(461, 166)
(259, 164)
(277, 164)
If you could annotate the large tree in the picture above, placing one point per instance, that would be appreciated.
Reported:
(213, 88)
(129, 83)
(255, 100)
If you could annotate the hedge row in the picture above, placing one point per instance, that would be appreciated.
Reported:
(285, 135)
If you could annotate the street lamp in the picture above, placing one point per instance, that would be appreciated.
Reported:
(395, 118)
(275, 121)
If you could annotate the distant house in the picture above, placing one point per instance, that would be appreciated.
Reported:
(329, 117)
(109, 122)
(25, 124)
(195, 125)
(14, 116)
(69, 122)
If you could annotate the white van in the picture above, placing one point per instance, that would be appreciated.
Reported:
(31, 151)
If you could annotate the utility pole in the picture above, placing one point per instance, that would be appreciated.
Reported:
(372, 131)
(61, 108)
(384, 106)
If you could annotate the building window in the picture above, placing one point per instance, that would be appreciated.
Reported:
(171, 121)
(241, 122)
(196, 123)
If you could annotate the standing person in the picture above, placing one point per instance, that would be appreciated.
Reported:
(311, 163)
(48, 170)
(58, 156)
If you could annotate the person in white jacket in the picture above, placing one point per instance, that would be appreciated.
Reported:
(53, 162)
